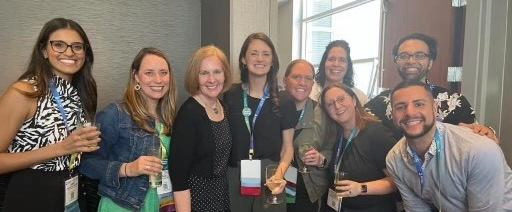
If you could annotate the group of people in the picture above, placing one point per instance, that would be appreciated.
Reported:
(215, 147)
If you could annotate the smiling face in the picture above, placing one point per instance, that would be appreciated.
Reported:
(258, 58)
(341, 107)
(67, 63)
(413, 110)
(412, 68)
(336, 65)
(211, 77)
(299, 81)
(153, 77)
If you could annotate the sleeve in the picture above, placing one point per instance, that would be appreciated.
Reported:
(412, 202)
(485, 191)
(287, 110)
(184, 141)
(464, 113)
(319, 128)
(380, 107)
(97, 164)
(384, 143)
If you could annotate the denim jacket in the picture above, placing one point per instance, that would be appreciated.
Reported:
(122, 141)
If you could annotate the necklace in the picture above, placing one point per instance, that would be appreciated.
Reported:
(213, 108)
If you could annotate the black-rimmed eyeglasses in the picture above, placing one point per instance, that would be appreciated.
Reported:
(416, 56)
(61, 46)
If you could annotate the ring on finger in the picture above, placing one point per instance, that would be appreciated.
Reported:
(79, 138)
(147, 167)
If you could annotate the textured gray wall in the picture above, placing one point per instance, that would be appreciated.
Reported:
(117, 31)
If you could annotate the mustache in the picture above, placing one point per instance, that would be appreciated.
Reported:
(407, 118)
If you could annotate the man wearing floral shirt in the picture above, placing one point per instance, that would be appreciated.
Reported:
(413, 56)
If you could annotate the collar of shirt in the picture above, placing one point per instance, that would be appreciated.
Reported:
(431, 153)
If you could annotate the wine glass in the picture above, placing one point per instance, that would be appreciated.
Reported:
(303, 148)
(338, 176)
(272, 183)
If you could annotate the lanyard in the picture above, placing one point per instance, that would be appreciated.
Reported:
(159, 127)
(340, 157)
(417, 161)
(246, 111)
(56, 96)
(301, 113)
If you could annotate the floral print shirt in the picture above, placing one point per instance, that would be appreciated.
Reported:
(452, 108)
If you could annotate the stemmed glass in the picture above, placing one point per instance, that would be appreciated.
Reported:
(272, 183)
(303, 148)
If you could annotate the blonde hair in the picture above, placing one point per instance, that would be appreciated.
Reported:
(135, 103)
(194, 68)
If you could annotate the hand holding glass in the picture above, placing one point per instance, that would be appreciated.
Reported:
(272, 184)
(338, 176)
(89, 124)
(303, 148)
(154, 149)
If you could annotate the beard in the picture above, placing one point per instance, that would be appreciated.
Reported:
(405, 75)
(426, 128)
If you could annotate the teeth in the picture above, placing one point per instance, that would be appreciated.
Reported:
(158, 88)
(412, 122)
(340, 112)
(66, 61)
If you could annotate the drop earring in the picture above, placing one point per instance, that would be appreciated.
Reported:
(137, 87)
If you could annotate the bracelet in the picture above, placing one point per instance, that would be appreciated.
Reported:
(492, 129)
(125, 173)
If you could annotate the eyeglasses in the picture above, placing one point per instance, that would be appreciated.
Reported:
(416, 56)
(339, 100)
(61, 46)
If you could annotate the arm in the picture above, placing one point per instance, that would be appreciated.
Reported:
(481, 130)
(376, 187)
(485, 191)
(184, 145)
(182, 200)
(286, 151)
(13, 116)
(111, 162)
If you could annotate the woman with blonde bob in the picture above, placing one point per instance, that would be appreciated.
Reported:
(127, 129)
(201, 136)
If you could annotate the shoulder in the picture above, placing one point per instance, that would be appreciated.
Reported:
(363, 99)
(464, 137)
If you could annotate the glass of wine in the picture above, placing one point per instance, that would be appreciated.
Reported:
(303, 148)
(272, 183)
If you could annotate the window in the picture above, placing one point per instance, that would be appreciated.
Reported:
(355, 21)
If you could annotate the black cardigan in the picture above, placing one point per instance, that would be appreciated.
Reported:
(192, 145)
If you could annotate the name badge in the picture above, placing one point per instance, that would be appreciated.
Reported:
(291, 184)
(250, 177)
(333, 200)
(165, 194)
(71, 191)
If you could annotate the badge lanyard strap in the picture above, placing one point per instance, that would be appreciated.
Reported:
(159, 127)
(417, 161)
(56, 96)
(246, 116)
(338, 156)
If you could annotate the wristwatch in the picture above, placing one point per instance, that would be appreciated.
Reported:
(324, 162)
(364, 189)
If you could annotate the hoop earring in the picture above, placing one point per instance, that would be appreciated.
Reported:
(137, 87)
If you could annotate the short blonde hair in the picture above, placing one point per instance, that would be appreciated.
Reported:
(194, 67)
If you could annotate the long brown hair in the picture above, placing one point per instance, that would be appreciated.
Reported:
(271, 75)
(136, 104)
(40, 69)
(332, 128)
